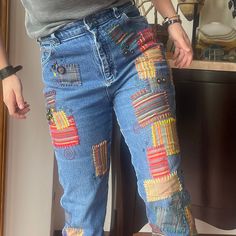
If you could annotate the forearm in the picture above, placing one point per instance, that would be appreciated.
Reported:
(164, 7)
(3, 56)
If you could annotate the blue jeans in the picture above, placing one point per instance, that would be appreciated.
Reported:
(104, 62)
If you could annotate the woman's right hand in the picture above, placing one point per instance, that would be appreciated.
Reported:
(13, 98)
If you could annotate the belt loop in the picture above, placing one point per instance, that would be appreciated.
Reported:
(55, 40)
(116, 12)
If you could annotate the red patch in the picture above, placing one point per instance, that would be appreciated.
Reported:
(158, 161)
(66, 137)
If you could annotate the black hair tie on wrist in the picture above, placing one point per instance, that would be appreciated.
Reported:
(8, 71)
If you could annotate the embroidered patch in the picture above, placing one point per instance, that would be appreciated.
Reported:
(171, 220)
(66, 137)
(50, 98)
(100, 158)
(72, 232)
(164, 133)
(158, 161)
(60, 119)
(165, 187)
(150, 107)
(190, 220)
(69, 153)
(125, 39)
(146, 39)
(146, 63)
(66, 74)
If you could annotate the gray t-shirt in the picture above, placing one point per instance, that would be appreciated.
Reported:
(45, 16)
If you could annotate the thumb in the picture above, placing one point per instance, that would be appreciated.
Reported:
(20, 100)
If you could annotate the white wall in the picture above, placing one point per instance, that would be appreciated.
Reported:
(29, 155)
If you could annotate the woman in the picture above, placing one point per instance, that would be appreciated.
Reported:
(98, 56)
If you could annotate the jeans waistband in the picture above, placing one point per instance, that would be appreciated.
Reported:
(78, 27)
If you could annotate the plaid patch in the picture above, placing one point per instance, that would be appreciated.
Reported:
(162, 188)
(72, 232)
(50, 98)
(164, 133)
(150, 107)
(146, 39)
(125, 39)
(190, 220)
(66, 137)
(172, 220)
(158, 161)
(66, 74)
(60, 119)
(100, 158)
(146, 63)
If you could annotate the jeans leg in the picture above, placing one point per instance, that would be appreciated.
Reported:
(80, 123)
(145, 109)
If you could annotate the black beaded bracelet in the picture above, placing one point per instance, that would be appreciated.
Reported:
(167, 22)
(8, 71)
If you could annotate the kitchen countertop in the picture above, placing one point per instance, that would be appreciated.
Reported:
(209, 65)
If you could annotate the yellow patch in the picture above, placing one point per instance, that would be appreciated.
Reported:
(60, 119)
(74, 232)
(164, 133)
(162, 188)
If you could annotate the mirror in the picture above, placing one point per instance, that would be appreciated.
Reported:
(4, 26)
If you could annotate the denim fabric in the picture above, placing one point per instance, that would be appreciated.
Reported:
(111, 60)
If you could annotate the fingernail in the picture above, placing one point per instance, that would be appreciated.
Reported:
(21, 106)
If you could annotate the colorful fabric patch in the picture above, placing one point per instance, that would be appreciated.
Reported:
(60, 119)
(125, 39)
(72, 232)
(164, 133)
(66, 137)
(190, 220)
(162, 188)
(146, 63)
(100, 158)
(50, 98)
(146, 39)
(158, 161)
(66, 74)
(172, 220)
(150, 107)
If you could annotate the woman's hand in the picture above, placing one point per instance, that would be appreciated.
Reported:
(183, 54)
(13, 98)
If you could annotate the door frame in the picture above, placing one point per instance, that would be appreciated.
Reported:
(4, 30)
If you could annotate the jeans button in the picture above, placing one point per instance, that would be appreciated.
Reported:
(61, 70)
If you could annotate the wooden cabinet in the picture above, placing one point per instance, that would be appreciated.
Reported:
(206, 123)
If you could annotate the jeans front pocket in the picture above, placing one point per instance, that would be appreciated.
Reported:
(66, 74)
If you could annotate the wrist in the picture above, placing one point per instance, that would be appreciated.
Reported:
(8, 71)
(169, 21)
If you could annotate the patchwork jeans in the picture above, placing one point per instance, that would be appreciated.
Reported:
(104, 62)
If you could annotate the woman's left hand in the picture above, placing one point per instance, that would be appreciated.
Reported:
(183, 54)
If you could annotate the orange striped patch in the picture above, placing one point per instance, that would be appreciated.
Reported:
(158, 161)
(100, 158)
(65, 137)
